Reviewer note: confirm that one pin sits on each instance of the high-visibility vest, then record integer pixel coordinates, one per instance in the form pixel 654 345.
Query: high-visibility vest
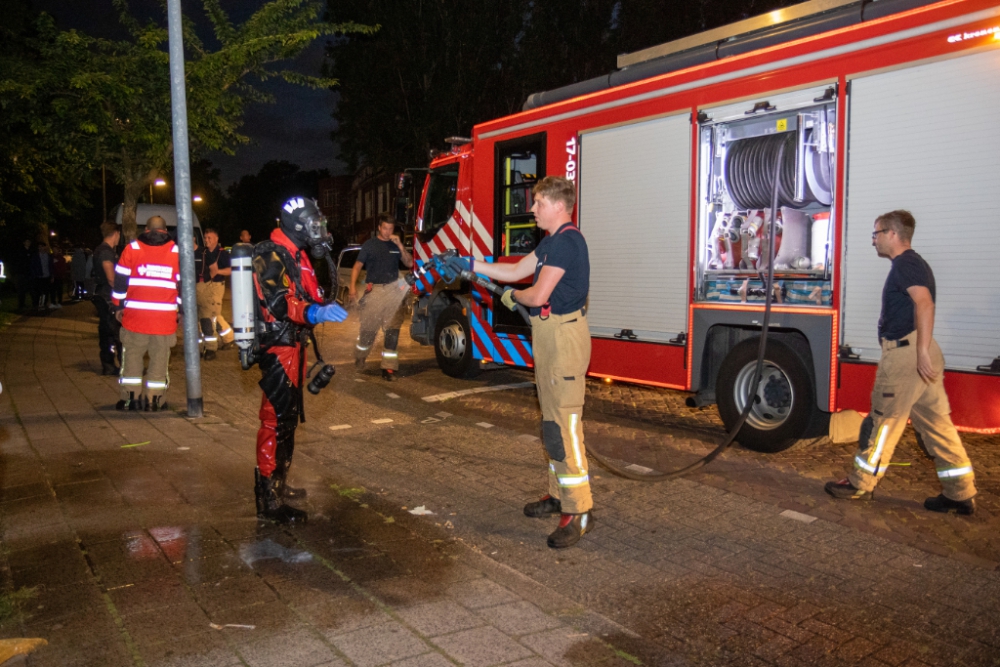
pixel 151 299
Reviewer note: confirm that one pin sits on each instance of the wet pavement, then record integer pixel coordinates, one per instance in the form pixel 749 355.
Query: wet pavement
pixel 138 535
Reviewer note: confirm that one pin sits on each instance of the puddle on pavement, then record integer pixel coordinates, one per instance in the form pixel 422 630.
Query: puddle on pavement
pixel 267 549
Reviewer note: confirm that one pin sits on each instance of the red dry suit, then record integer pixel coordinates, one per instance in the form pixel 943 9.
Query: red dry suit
pixel 286 286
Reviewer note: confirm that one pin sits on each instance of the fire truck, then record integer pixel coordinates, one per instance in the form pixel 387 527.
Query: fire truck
pixel 878 105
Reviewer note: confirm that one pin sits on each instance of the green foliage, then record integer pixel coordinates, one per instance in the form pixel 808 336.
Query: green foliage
pixel 79 102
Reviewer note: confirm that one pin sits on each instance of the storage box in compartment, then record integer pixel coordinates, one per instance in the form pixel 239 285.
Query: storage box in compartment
pixel 795 292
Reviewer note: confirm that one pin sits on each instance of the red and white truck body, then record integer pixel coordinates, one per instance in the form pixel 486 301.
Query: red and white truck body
pixel 673 174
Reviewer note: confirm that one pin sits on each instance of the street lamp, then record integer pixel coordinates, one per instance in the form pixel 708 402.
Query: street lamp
pixel 196 199
pixel 158 183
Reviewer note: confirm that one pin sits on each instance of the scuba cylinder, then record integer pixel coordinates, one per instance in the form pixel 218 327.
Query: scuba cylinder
pixel 241 260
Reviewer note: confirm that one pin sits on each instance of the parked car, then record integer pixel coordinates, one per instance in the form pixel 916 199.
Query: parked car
pixel 345 264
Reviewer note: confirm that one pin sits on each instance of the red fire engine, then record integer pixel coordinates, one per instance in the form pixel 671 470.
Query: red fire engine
pixel 879 105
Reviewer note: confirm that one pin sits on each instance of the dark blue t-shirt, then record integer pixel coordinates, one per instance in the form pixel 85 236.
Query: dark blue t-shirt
pixel 898 317
pixel 567 250
pixel 381 261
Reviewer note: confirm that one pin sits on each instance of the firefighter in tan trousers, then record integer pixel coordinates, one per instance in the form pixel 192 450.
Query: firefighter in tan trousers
pixel 145 299
pixel 213 267
pixel 909 381
pixel 560 340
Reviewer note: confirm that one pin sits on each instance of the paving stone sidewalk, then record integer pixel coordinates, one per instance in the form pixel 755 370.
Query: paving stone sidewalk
pixel 136 534
pixel 691 573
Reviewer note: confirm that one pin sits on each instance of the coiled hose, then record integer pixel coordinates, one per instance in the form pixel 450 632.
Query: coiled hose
pixel 747 162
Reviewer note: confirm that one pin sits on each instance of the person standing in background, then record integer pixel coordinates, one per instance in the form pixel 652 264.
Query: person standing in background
pixel 103 271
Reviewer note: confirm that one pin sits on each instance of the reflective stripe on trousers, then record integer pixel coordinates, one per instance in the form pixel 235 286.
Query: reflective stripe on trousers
pixel 899 395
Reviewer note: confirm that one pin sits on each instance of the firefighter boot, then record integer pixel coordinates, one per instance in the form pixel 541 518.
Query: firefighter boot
pixel 571 529
pixel 546 506
pixel 270 507
pixel 945 505
pixel 158 404
pixel 847 491
pixel 130 404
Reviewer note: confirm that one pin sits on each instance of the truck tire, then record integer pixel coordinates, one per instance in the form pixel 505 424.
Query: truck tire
pixel 453 344
pixel 783 404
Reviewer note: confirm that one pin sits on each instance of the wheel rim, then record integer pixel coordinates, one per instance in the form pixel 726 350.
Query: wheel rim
pixel 773 399
pixel 451 341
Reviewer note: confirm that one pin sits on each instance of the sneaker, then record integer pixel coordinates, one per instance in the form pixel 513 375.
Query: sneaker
pixel 545 506
pixel 844 489
pixel 388 375
pixel 571 528
pixel 945 505
pixel 209 355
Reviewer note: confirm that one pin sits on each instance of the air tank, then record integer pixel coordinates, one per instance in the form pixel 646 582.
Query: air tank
pixel 241 260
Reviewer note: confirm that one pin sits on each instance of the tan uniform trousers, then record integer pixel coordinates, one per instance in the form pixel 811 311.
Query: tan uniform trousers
pixel 561 348
pixel 210 307
pixel 135 346
pixel 900 394
pixel 381 308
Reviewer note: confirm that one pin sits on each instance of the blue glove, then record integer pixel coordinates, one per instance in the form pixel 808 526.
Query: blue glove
pixel 332 312
pixel 452 267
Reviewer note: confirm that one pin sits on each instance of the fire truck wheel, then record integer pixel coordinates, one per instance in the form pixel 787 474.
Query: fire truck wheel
pixel 453 344
pixel 783 403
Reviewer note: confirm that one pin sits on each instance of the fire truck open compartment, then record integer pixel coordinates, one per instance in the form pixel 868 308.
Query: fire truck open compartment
pixel 738 150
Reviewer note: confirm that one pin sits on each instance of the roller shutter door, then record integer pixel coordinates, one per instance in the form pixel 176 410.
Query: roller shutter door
pixel 635 211
pixel 927 139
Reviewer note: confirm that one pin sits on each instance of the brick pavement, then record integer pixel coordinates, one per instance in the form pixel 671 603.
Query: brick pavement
pixel 137 534
pixel 653 428
pixel 693 573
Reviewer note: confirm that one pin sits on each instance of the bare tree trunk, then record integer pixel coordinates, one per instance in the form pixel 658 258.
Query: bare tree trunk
pixel 132 191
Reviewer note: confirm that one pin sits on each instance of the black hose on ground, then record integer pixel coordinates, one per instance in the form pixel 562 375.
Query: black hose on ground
pixel 731 435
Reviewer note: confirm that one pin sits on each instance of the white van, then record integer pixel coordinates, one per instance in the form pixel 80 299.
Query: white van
pixel 144 212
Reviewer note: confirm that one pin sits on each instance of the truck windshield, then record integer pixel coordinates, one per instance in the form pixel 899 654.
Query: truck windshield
pixel 439 203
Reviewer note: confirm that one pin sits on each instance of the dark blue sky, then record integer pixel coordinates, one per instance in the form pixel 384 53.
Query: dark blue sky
pixel 296 128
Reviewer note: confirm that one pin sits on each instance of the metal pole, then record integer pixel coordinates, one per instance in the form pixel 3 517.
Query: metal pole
pixel 185 216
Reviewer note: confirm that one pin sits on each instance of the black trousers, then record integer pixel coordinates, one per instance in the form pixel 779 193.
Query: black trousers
pixel 108 330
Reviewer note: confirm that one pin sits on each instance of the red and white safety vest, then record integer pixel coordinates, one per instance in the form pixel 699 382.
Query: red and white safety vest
pixel 151 298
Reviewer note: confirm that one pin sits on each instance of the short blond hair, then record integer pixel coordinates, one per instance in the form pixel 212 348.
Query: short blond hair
pixel 557 188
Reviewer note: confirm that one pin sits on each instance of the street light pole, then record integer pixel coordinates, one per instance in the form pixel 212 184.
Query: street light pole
pixel 185 215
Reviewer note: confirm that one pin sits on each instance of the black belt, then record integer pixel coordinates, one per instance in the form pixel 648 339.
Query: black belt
pixel 902 342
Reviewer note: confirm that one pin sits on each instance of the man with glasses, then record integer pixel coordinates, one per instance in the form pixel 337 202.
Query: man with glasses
pixel 909 383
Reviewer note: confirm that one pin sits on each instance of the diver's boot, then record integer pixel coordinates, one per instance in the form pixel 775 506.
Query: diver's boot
pixel 270 507
pixel 281 486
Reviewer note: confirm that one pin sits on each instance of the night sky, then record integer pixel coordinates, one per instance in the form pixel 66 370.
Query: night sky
pixel 296 128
